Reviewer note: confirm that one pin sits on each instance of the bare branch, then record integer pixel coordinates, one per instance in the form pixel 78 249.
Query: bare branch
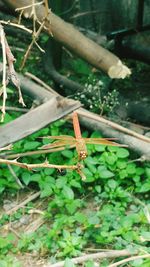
pixel 38 165
pixel 129 259
pixel 93 256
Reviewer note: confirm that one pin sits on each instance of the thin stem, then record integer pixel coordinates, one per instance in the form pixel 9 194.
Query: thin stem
pixel 38 165
pixel 4 90
pixel 129 259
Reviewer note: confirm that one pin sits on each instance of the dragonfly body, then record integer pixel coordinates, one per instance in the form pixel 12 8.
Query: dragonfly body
pixel 80 142
pixel 61 142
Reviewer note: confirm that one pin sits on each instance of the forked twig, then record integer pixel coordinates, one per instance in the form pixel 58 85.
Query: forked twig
pixel 22 27
pixel 36 33
pixel 8 58
pixel 38 165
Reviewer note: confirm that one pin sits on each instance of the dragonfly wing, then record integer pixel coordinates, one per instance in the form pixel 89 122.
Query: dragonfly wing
pixel 56 144
pixel 103 141
pixel 89 140
pixel 63 137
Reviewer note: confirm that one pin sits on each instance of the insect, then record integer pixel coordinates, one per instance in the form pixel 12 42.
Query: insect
pixel 78 141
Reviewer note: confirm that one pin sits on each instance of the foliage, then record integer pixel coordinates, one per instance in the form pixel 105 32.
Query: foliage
pixel 105 210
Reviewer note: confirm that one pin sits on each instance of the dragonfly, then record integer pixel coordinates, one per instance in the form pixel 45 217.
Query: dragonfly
pixel 78 141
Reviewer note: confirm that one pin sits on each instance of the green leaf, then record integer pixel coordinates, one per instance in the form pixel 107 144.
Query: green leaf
pixel 90 160
pixel 137 263
pixel 36 177
pixel 26 177
pixel 80 217
pixel 89 176
pixel 80 67
pixel 123 174
pixel 92 168
pixel 67 153
pixel 145 236
pixel 139 171
pixel 72 207
pixel 93 219
pixel 111 159
pixel 46 192
pixel 131 168
pixel 121 164
pixel 96 134
pixel 49 171
pixel 75 183
pixel 101 168
pixel 145 187
pixel 105 174
pixel 98 188
pixel 122 153
pixel 60 182
pixel 112 183
pixel 100 148
pixel 90 264
pixel 68 192
pixel 69 263
pixel 31 145
pixel 147 172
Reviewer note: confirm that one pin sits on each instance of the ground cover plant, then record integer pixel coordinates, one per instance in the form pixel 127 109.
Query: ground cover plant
pixel 109 210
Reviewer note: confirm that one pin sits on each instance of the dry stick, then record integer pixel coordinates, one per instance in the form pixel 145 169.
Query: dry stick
pixel 22 27
pixel 24 110
pixel 22 204
pixel 36 152
pixel 4 90
pixel 31 228
pixel 28 6
pixel 114 125
pixel 9 147
pixel 39 81
pixel 12 73
pixel 129 259
pixel 93 256
pixel 15 176
pixel 31 44
pixel 38 165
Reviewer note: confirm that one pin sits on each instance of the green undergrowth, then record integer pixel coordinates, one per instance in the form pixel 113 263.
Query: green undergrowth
pixel 109 210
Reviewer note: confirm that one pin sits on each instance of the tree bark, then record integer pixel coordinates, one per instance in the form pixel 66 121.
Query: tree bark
pixel 76 41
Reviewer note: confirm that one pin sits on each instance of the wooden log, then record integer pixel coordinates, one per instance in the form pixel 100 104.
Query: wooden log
pixel 94 122
pixel 34 120
pixel 70 37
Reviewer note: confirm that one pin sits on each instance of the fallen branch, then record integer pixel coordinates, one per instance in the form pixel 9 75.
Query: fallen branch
pixel 129 259
pixel 40 82
pixel 76 41
pixel 24 203
pixel 93 256
pixel 118 127
pixel 32 227
pixel 94 122
pixel 52 110
pixel 23 110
